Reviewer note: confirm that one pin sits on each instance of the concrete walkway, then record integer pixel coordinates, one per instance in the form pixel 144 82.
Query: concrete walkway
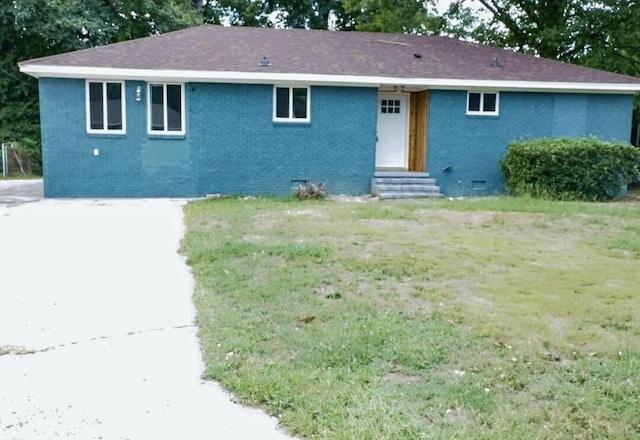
pixel 96 334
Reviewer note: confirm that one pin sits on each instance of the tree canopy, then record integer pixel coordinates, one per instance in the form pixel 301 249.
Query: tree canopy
pixel 604 34
pixel 396 16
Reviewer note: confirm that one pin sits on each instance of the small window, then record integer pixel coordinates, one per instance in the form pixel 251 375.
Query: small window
pixel 482 103
pixel 291 104
pixel 105 107
pixel 166 108
pixel 390 106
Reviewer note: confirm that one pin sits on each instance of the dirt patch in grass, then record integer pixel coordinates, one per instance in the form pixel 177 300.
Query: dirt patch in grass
pixel 501 318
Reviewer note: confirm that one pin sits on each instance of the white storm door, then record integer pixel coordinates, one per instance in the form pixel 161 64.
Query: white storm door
pixel 392 146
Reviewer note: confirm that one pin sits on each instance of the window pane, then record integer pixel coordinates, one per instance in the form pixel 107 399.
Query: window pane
pixel 300 103
pixel 489 101
pixel 174 107
pixel 282 102
pixel 114 106
pixel 474 102
pixel 157 107
pixel 96 113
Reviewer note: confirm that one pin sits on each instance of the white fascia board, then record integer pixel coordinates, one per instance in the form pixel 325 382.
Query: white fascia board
pixel 38 70
pixel 539 86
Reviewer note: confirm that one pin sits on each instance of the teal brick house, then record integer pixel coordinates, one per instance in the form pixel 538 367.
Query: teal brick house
pixel 233 110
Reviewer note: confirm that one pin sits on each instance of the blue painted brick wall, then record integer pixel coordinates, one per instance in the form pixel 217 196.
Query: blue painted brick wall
pixel 471 145
pixel 240 150
pixel 231 144
pixel 130 165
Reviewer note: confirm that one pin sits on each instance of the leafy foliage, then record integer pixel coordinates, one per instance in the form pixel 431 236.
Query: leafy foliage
pixel 395 16
pixel 562 29
pixel 569 169
pixel 305 14
pixel 540 27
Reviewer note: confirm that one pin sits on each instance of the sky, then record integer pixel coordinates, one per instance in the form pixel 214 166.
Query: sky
pixel 442 5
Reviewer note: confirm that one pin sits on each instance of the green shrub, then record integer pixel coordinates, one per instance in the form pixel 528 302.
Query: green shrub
pixel 569 169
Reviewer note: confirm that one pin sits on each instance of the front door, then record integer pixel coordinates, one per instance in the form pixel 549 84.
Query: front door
pixel 392 145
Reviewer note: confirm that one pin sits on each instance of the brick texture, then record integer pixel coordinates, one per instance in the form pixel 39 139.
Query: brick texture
pixel 470 146
pixel 240 150
pixel 231 144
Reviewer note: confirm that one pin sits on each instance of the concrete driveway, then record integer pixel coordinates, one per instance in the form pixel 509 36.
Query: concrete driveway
pixel 96 333
pixel 18 192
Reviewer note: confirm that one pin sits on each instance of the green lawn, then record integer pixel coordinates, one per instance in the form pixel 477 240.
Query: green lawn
pixel 479 319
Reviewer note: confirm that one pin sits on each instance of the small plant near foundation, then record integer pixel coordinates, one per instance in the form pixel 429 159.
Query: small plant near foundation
pixel 311 191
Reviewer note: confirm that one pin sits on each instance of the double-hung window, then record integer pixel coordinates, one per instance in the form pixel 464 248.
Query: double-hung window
pixel 291 104
pixel 105 107
pixel 166 108
pixel 483 103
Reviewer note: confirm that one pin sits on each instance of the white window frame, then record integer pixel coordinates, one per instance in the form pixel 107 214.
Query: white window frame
pixel 105 107
pixel 291 117
pixel 166 131
pixel 482 112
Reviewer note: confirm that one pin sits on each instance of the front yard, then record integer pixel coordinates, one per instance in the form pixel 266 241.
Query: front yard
pixel 479 319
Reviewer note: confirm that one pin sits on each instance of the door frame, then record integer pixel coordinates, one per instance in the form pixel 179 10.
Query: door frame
pixel 418 131
pixel 406 109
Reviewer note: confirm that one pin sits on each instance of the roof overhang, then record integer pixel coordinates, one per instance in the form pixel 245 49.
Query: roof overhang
pixel 266 77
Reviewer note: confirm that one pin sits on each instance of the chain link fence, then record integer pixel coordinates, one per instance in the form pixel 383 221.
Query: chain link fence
pixel 14 162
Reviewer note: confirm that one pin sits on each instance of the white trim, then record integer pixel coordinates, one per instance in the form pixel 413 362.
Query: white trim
pixel 482 111
pixel 293 79
pixel 105 107
pixel 165 113
pixel 291 117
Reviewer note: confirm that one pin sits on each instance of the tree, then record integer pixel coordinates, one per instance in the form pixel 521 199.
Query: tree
pixel 611 37
pixel 543 27
pixel 304 14
pixel 395 16
pixel 413 16
pixel 604 34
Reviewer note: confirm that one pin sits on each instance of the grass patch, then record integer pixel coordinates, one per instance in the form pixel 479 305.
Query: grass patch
pixel 481 319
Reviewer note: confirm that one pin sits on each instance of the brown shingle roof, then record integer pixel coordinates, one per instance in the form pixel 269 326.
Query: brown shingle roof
pixel 210 48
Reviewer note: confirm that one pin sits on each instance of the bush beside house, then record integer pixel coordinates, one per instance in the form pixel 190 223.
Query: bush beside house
pixel 569 169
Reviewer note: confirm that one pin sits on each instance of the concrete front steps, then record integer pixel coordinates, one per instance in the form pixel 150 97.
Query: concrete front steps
pixel 403 185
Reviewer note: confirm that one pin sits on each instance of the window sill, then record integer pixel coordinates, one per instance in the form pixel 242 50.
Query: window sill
pixel 107 135
pixel 291 121
pixel 482 116
pixel 176 136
